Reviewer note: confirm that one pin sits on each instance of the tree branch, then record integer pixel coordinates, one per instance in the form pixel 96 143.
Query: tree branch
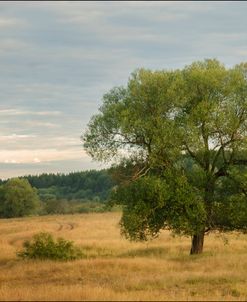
pixel 192 154
pixel 221 149
pixel 141 173
pixel 239 162
pixel 221 172
pixel 206 153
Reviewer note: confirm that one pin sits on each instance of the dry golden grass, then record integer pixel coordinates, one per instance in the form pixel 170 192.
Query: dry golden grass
pixel 116 269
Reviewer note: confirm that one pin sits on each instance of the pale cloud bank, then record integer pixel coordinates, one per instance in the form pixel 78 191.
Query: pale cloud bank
pixel 8 22
pixel 7 112
pixel 15 137
pixel 39 155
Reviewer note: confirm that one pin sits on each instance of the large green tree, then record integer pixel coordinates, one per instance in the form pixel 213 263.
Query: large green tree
pixel 178 140
pixel 18 198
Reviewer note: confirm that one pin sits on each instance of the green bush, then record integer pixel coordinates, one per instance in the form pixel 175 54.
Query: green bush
pixel 18 199
pixel 44 246
pixel 92 207
pixel 55 206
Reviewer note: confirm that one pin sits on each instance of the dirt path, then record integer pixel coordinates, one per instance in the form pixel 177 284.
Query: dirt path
pixel 66 226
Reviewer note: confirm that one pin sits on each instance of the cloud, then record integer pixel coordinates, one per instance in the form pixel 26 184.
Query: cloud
pixel 9 22
pixel 242 52
pixel 8 45
pixel 58 59
pixel 102 11
pixel 41 124
pixel 8 112
pixel 46 142
pixel 8 170
pixel 25 156
pixel 14 137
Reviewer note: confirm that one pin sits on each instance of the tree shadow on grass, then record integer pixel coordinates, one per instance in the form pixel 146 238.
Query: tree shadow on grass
pixel 103 252
pixel 156 252
pixel 184 257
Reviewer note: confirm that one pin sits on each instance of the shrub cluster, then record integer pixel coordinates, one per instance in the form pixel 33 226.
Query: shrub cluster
pixel 44 246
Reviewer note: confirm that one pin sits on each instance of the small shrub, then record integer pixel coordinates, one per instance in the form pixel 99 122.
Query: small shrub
pixel 44 246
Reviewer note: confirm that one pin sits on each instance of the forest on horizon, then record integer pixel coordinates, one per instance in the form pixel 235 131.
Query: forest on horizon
pixel 85 191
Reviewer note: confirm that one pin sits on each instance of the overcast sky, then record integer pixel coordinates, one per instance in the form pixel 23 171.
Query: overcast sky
pixel 58 59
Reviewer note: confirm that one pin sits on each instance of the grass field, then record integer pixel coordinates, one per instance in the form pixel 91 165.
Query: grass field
pixel 116 269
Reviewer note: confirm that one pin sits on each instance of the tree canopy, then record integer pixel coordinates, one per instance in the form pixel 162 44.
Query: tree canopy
pixel 178 141
pixel 17 198
pixel 86 185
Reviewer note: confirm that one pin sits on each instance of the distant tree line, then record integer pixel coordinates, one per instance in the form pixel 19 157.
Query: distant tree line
pixel 86 185
pixel 85 191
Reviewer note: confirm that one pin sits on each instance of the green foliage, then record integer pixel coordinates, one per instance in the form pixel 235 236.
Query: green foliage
pixel 44 246
pixel 92 207
pixel 84 185
pixel 191 122
pixel 54 206
pixel 18 199
pixel 152 203
pixel 67 194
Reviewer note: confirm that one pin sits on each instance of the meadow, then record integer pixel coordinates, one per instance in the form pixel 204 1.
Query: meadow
pixel 116 269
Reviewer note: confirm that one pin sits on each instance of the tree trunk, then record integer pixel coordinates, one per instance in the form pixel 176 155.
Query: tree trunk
pixel 197 243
